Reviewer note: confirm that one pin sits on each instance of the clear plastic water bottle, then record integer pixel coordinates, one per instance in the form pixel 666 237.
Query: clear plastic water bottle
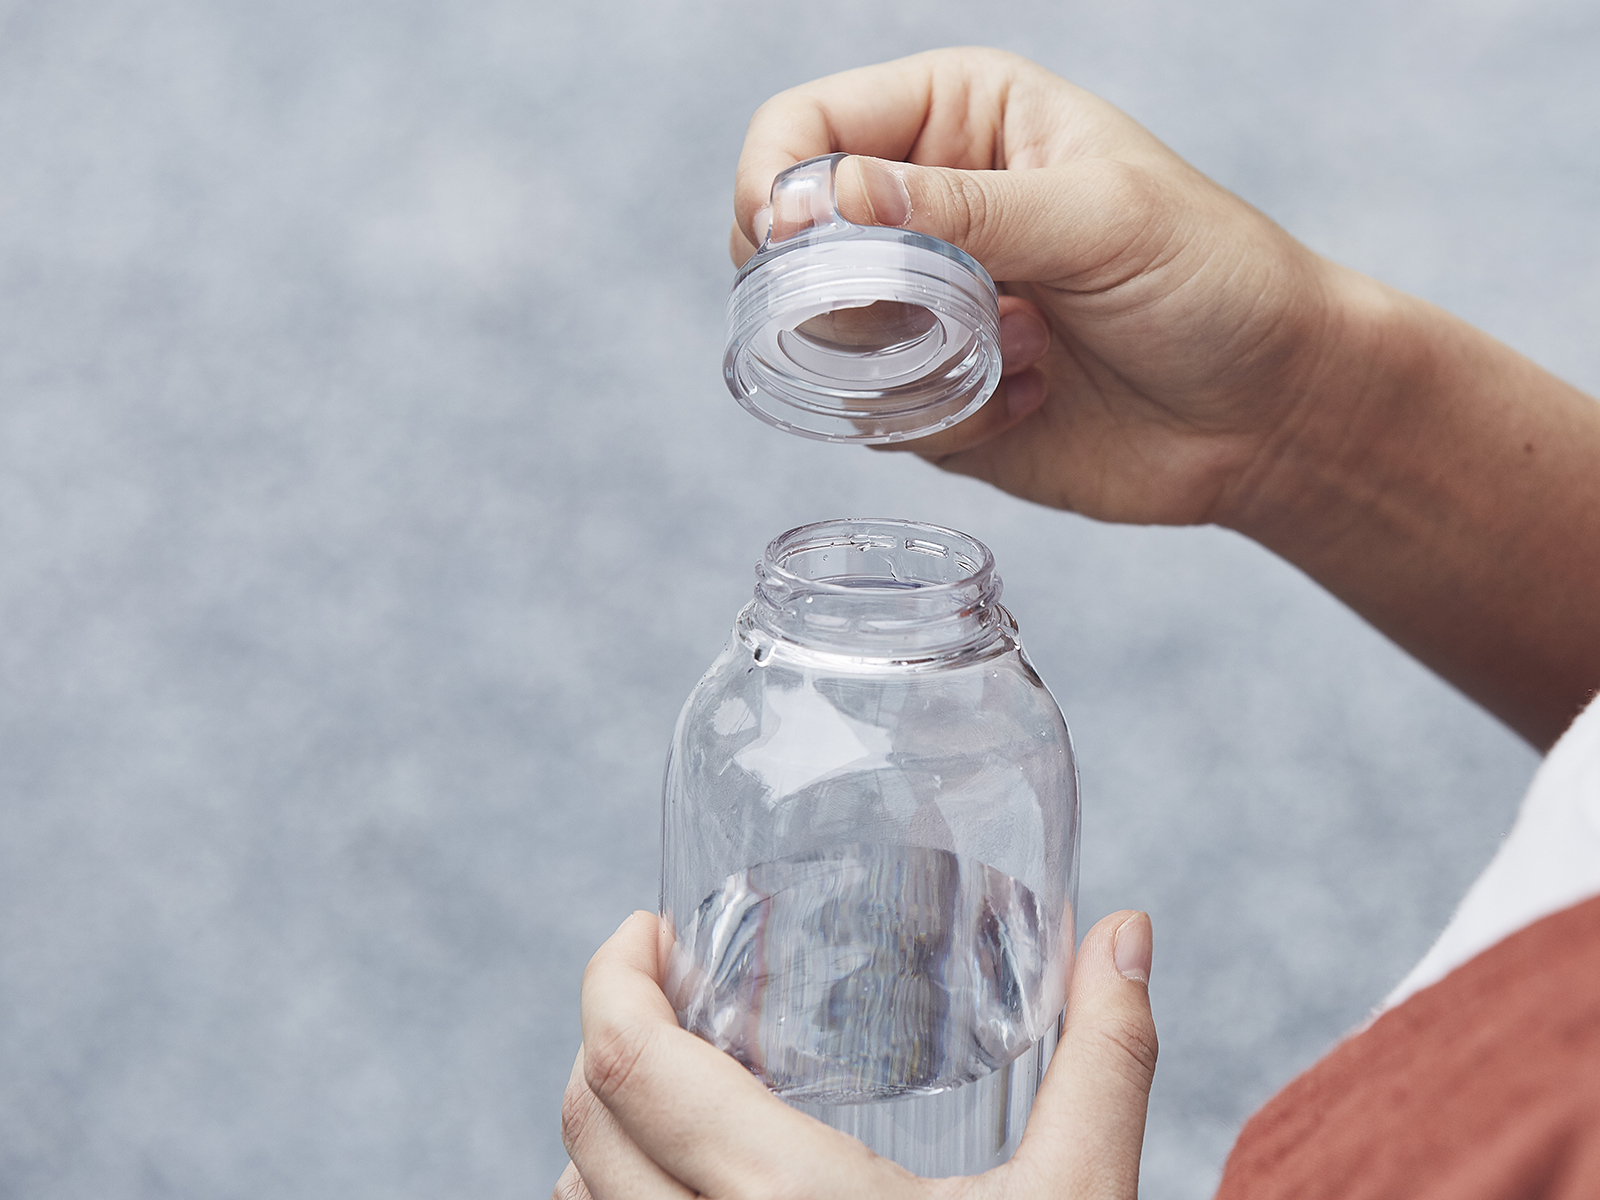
pixel 870 844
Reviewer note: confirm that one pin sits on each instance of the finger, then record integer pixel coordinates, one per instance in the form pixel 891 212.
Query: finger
pixel 979 112
pixel 570 1186
pixel 1086 225
pixel 607 1165
pixel 1088 1121
pixel 944 106
pixel 1016 399
pixel 740 248
pixel 1024 340
pixel 1024 334
pixel 693 1110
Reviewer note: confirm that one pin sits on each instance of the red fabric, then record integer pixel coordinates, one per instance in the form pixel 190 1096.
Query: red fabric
pixel 1485 1086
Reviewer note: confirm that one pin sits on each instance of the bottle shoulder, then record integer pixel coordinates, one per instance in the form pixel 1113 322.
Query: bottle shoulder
pixel 991 695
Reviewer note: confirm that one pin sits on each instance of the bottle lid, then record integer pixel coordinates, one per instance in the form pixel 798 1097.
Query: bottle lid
pixel 857 333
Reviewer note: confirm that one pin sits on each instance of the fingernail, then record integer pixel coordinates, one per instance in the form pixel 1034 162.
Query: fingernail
pixel 760 223
pixel 1023 338
pixel 1132 948
pixel 1024 393
pixel 885 191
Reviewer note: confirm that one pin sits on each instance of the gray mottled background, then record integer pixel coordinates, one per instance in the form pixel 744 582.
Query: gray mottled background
pixel 369 501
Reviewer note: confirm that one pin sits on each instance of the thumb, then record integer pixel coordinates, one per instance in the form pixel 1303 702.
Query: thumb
pixel 1088 223
pixel 1087 1126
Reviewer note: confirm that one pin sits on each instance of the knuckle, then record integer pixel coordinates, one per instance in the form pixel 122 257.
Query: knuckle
pixel 1134 193
pixel 578 1116
pixel 611 1057
pixel 994 56
pixel 1132 211
pixel 570 1187
pixel 969 212
pixel 1132 1048
pixel 1105 185
pixel 1124 182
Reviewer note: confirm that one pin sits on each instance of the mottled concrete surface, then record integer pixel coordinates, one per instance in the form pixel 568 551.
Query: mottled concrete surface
pixel 369 501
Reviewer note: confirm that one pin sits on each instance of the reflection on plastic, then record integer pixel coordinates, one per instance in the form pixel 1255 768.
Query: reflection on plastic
pixel 866 972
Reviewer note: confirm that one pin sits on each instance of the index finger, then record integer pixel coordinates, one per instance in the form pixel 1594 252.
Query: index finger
pixel 695 1111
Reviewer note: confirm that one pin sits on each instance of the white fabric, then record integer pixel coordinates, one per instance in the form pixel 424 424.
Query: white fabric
pixel 1549 861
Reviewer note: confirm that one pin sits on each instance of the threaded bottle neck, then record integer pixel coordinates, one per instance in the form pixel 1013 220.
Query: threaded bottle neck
pixel 887 589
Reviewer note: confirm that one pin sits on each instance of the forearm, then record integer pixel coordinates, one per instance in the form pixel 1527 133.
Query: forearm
pixel 1449 491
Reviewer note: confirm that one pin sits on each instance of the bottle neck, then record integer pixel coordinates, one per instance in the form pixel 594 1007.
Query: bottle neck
pixel 881 589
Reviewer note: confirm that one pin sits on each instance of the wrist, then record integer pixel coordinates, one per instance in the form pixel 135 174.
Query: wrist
pixel 1441 484
pixel 1353 421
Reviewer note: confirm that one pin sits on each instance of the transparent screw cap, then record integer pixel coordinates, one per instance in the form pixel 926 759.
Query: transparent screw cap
pixel 857 333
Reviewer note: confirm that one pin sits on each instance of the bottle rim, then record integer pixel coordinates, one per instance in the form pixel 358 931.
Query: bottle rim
pixel 927 541
pixel 879 588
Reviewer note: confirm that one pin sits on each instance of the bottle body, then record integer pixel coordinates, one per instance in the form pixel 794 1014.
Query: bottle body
pixel 870 823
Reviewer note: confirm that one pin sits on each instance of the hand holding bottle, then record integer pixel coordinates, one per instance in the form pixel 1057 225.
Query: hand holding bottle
pixel 654 1113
